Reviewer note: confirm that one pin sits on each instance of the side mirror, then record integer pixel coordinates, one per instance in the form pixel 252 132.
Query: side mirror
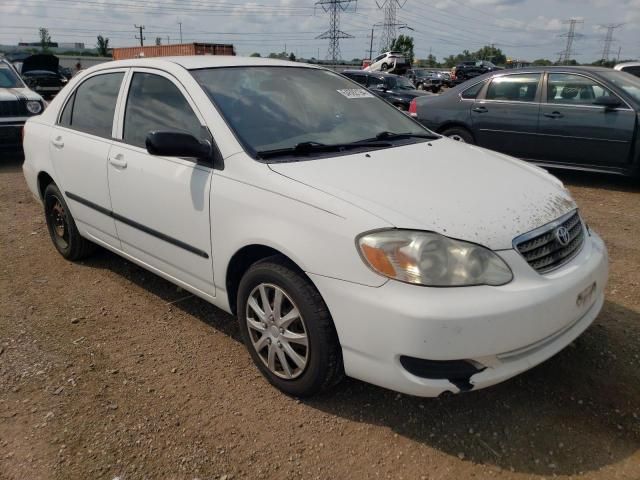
pixel 177 144
pixel 609 102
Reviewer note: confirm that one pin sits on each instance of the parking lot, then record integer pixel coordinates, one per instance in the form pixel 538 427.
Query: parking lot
pixel 109 371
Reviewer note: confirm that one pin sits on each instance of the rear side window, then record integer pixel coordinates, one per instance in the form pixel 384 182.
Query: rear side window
pixel 93 105
pixel 361 79
pixel 632 70
pixel 515 88
pixel 155 103
pixel 472 92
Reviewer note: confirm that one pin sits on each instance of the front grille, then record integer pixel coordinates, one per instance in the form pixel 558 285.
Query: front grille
pixel 13 108
pixel 542 248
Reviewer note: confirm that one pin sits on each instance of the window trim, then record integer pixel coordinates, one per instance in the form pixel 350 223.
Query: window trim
pixel 545 100
pixel 469 88
pixel 122 103
pixel 536 99
pixel 72 96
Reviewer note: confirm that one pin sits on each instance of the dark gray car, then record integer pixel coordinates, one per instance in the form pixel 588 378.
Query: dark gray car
pixel 571 117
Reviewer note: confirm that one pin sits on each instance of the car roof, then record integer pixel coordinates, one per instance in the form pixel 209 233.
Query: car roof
pixel 194 62
pixel 373 74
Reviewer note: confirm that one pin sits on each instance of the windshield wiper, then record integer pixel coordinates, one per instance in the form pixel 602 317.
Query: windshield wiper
pixel 305 148
pixel 402 136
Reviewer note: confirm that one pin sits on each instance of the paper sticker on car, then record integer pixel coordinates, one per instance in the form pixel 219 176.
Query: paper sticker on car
pixel 355 93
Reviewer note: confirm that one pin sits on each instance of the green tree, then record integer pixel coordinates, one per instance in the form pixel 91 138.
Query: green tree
pixel 492 54
pixel 255 54
pixel 404 44
pixel 542 62
pixel 280 56
pixel 158 40
pixel 292 57
pixel 432 61
pixel 103 46
pixel 45 39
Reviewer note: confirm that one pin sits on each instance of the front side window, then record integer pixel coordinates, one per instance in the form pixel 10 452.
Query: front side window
pixel 634 70
pixel 280 107
pixel 573 89
pixel 93 105
pixel 400 83
pixel 155 103
pixel 630 84
pixel 514 88
pixel 361 79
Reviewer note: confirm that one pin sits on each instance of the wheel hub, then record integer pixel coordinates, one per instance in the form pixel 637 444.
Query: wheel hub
pixel 277 331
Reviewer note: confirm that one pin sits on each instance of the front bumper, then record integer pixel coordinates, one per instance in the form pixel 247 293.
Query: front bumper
pixel 11 133
pixel 503 330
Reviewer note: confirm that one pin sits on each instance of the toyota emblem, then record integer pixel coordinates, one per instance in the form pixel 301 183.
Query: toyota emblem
pixel 563 236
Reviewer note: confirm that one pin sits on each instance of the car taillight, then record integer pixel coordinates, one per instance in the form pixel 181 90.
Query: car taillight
pixel 413 108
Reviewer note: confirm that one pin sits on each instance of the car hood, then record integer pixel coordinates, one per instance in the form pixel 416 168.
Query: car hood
pixel 15 94
pixel 458 190
pixel 48 63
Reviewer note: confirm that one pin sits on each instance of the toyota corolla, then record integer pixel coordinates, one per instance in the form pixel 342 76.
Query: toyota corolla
pixel 346 237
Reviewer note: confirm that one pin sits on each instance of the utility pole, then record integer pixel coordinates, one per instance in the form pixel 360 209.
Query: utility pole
pixel 565 57
pixel 371 46
pixel 619 52
pixel 180 23
pixel 390 23
pixel 141 37
pixel 334 34
pixel 608 40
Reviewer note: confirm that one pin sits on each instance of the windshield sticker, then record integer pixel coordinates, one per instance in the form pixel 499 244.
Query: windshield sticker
pixel 355 93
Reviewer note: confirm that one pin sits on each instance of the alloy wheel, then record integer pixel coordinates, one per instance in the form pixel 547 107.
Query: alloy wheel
pixel 58 220
pixel 277 331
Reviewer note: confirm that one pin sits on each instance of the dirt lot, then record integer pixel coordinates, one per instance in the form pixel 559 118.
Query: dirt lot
pixel 108 371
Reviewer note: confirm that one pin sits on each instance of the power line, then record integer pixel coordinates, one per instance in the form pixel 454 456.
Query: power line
pixel 390 23
pixel 565 57
pixel 608 40
pixel 334 34
pixel 141 37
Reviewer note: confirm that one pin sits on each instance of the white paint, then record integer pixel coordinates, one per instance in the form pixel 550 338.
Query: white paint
pixel 312 211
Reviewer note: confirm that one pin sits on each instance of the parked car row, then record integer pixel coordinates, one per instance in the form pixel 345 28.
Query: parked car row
pixel 42 73
pixel 570 117
pixel 397 90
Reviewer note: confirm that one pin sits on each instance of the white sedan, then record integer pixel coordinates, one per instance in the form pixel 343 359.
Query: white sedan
pixel 345 237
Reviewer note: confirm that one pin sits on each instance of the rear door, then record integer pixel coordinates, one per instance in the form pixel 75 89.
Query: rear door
pixel 575 131
pixel 80 145
pixel 505 114
pixel 161 204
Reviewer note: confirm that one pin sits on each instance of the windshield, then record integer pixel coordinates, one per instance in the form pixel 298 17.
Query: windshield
pixel 8 78
pixel 400 83
pixel 627 82
pixel 280 107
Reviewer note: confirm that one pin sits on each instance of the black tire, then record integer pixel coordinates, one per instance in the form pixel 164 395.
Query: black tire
pixel 384 67
pixel 324 367
pixel 460 134
pixel 62 228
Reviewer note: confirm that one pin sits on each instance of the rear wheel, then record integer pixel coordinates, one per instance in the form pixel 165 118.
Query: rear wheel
pixel 384 66
pixel 459 134
pixel 62 228
pixel 287 329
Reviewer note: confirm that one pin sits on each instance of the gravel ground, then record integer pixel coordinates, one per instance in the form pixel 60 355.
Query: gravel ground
pixel 109 371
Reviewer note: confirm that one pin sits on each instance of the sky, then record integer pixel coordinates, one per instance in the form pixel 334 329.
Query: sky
pixel 523 29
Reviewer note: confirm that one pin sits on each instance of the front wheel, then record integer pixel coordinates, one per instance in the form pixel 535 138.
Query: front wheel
pixel 287 329
pixel 459 134
pixel 384 67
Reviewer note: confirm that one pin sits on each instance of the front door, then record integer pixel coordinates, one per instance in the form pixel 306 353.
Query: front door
pixel 161 204
pixel 80 145
pixel 575 131
pixel 505 118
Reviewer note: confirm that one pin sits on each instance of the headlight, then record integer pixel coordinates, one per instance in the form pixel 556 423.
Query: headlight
pixel 34 107
pixel 431 259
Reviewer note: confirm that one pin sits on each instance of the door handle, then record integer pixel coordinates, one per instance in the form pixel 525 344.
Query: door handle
pixel 554 115
pixel 118 161
pixel 57 142
pixel 480 109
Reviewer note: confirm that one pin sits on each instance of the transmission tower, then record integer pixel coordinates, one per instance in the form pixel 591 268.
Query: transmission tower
pixel 565 57
pixel 390 23
pixel 334 34
pixel 608 40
